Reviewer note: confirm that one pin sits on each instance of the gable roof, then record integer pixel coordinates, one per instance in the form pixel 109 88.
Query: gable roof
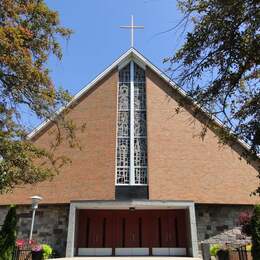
pixel 131 54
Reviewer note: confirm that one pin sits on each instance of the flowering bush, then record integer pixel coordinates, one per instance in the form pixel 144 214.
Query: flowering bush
pixel 35 247
pixel 20 243
pixel 244 220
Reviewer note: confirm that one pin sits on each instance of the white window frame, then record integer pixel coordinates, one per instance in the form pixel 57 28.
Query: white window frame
pixel 132 136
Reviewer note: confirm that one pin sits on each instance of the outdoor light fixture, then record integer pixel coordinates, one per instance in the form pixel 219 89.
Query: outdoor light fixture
pixel 35 202
pixel 132 209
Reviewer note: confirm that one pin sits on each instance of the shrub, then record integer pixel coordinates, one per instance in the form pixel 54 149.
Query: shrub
pixel 244 220
pixel 255 230
pixel 249 247
pixel 8 234
pixel 47 251
pixel 214 249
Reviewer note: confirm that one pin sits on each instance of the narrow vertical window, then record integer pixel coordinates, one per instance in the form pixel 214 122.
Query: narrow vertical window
pixel 131 127
pixel 123 127
pixel 140 142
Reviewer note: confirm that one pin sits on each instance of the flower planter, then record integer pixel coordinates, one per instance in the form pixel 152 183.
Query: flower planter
pixel 223 254
pixel 37 255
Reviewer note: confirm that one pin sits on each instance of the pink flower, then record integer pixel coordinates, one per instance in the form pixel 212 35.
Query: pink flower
pixel 20 243
pixel 37 248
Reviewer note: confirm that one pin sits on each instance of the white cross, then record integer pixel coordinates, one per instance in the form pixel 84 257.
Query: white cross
pixel 132 27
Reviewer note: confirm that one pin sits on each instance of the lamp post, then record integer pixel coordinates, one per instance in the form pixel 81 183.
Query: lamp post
pixel 35 202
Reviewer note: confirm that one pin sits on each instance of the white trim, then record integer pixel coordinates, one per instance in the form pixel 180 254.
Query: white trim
pixel 193 231
pixel 70 250
pixel 132 126
pixel 117 92
pixel 83 90
pixel 137 204
pixel 131 54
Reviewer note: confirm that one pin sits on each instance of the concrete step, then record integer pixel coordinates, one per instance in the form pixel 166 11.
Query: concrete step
pixel 131 257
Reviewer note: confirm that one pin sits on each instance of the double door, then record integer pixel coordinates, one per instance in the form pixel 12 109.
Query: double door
pixel 120 230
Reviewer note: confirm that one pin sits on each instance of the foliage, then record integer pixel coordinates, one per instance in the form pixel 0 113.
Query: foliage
pixel 8 235
pixel 29 34
pixel 47 251
pixel 218 64
pixel 249 247
pixel 214 249
pixel 255 230
pixel 244 220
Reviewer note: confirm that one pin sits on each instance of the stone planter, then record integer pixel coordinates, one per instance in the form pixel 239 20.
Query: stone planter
pixel 37 255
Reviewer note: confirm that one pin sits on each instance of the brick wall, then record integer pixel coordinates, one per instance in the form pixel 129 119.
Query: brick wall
pixel 91 175
pixel 182 166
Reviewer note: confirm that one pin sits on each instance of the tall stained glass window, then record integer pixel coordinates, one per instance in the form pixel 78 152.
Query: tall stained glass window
pixel 131 127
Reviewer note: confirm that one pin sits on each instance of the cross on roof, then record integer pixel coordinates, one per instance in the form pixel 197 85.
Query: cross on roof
pixel 132 27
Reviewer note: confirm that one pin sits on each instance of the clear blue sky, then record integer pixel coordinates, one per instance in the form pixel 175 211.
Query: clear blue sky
pixel 97 40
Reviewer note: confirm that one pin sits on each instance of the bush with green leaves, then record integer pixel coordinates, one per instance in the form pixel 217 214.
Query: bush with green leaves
pixel 47 251
pixel 214 249
pixel 255 233
pixel 8 234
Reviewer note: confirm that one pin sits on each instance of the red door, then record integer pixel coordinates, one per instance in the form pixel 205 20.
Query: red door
pixel 95 236
pixel 128 229
pixel 132 235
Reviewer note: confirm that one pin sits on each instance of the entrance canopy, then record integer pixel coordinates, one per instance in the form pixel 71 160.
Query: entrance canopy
pixel 128 228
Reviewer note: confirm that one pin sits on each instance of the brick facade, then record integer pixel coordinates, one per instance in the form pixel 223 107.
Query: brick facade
pixel 91 175
pixel 182 166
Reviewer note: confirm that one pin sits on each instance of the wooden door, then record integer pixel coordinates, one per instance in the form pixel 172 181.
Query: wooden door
pixel 132 229
pixel 132 235
pixel 95 235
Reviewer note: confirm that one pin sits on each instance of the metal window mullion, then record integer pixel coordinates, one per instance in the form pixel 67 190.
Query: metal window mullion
pixel 132 169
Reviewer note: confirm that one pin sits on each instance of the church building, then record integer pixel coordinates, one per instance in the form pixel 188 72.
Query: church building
pixel 144 182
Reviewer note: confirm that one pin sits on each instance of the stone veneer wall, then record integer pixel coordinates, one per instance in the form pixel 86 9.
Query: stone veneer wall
pixel 219 223
pixel 51 223
pixel 215 223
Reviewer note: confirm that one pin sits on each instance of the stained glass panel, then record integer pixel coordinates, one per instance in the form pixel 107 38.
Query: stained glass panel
pixel 124 74
pixel 124 96
pixel 141 175
pixel 123 176
pixel 123 126
pixel 139 74
pixel 140 157
pixel 140 123
pixel 123 152
pixel 131 164
pixel 140 97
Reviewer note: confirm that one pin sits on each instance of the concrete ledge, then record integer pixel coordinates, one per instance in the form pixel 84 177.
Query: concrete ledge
pixel 131 257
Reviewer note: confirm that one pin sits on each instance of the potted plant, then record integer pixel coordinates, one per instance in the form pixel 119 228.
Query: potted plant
pixel 37 252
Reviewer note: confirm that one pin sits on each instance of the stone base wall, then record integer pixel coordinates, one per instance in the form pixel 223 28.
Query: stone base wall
pixel 51 224
pixel 219 223
pixel 215 224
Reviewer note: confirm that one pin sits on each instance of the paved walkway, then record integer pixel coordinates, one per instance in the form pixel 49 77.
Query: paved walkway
pixel 131 257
